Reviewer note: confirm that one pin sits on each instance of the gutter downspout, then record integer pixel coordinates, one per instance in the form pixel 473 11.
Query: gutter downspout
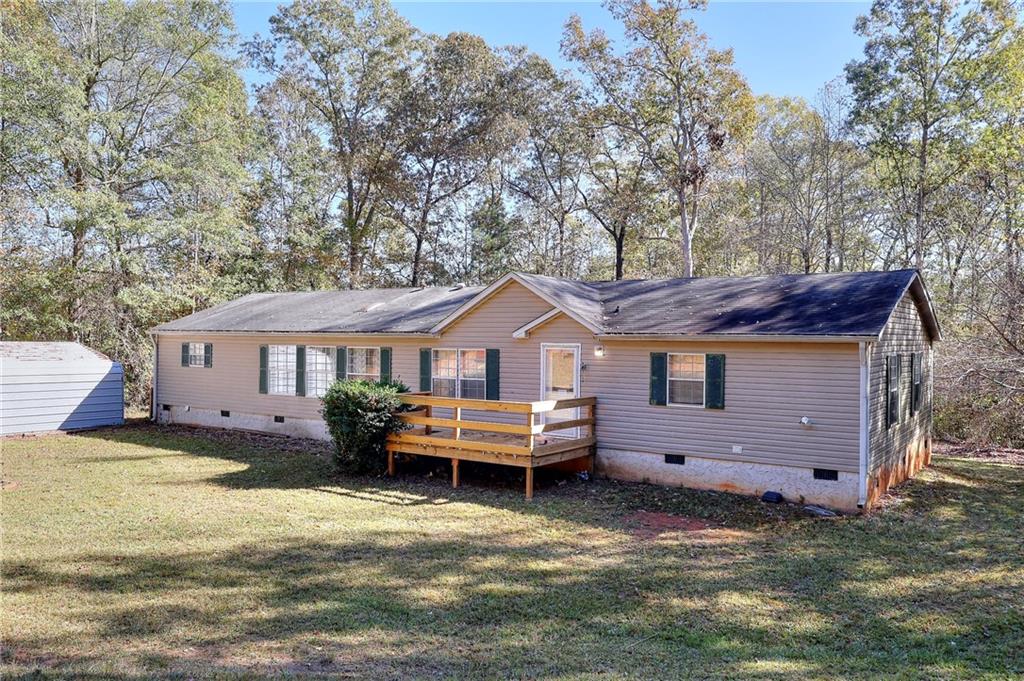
pixel 865 421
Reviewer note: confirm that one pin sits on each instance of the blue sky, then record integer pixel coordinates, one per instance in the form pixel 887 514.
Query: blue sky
pixel 783 48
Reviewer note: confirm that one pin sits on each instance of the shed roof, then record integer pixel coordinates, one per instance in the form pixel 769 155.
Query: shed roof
pixel 15 355
pixel 851 304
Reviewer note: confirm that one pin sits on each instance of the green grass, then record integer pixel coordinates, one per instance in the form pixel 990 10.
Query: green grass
pixel 140 552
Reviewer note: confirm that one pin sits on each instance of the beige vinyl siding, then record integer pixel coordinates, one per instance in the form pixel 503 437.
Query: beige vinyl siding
pixel 232 382
pixel 769 386
pixel 904 334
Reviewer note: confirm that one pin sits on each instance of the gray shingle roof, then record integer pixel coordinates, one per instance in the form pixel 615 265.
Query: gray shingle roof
pixel 393 310
pixel 840 304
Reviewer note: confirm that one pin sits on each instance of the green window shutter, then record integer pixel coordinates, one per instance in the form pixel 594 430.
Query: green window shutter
pixel 493 373
pixel 340 363
pixel 888 390
pixel 300 370
pixel 208 355
pixel 425 369
pixel 263 369
pixel 892 390
pixel 917 375
pixel 184 354
pixel 913 386
pixel 385 364
pixel 714 381
pixel 659 378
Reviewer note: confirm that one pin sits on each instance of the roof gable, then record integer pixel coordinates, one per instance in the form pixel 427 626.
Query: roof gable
pixel 571 297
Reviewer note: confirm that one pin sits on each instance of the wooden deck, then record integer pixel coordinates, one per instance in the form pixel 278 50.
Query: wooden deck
pixel 530 444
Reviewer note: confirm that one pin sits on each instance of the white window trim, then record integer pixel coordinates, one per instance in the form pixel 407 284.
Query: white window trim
pixel 668 381
pixel 458 370
pixel 201 355
pixel 348 376
pixel 332 357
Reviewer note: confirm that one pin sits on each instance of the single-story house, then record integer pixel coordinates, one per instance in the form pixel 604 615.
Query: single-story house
pixel 816 386
pixel 51 386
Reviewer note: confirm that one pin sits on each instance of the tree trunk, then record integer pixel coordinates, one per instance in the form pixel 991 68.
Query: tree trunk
pixel 686 240
pixel 414 281
pixel 922 169
pixel 620 242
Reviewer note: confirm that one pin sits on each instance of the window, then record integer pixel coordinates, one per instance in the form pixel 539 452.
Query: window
pixel 473 374
pixel 197 354
pixel 892 389
pixel 686 379
pixel 459 373
pixel 319 370
pixel 445 373
pixel 281 369
pixel 915 389
pixel 363 364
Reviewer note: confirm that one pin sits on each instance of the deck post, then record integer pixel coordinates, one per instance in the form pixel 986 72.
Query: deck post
pixel 457 415
pixel 529 482
pixel 531 419
pixel 428 411
pixel 391 463
pixel 455 472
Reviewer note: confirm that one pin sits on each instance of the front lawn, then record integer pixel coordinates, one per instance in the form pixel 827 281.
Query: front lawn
pixel 143 552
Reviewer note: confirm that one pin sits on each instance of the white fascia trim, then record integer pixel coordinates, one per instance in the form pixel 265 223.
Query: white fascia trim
pixel 494 288
pixel 524 330
pixel 741 337
pixel 864 423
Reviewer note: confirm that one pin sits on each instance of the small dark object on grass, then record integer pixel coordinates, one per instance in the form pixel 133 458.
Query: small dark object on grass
pixel 772 497
pixel 583 475
pixel 820 511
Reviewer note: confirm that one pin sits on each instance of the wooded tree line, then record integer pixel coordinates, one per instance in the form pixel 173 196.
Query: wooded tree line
pixel 141 180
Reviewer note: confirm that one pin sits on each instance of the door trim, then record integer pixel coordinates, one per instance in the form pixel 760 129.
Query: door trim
pixel 577 348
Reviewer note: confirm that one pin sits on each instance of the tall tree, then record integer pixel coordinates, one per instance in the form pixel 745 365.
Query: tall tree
pixel 122 140
pixel 451 118
pixel 928 65
pixel 552 158
pixel 681 98
pixel 349 62
pixel 616 188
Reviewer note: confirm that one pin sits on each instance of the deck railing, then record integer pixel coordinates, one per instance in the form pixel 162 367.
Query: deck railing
pixel 534 442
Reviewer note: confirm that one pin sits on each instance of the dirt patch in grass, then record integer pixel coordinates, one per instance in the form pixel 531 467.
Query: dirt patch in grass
pixel 8 485
pixel 1014 457
pixel 651 525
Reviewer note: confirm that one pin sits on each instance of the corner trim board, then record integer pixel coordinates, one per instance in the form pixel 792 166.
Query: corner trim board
pixel 864 423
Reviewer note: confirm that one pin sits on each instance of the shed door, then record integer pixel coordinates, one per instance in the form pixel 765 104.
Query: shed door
pixel 560 380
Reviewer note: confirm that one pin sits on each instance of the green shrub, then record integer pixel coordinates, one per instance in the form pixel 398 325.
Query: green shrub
pixel 360 415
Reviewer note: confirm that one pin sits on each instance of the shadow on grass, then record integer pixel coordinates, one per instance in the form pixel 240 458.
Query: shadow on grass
pixel 928 588
pixel 412 606
pixel 272 462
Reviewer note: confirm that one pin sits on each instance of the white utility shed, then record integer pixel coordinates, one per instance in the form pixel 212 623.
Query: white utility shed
pixel 57 386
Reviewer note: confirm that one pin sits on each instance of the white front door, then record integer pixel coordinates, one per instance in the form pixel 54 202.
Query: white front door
pixel 560 380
